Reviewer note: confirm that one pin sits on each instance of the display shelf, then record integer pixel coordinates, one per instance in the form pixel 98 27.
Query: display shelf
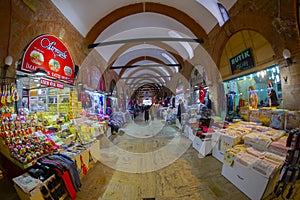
pixel 5 152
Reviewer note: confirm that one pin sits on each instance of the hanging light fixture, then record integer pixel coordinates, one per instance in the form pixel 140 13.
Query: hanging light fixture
pixel 287 56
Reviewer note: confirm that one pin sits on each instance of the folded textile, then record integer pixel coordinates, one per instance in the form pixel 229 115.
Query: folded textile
pixel 231 153
pixel 264 167
pixel 245 159
pixel 254 152
pixel 257 140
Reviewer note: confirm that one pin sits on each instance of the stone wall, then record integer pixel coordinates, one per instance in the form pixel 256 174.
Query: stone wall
pixel 275 20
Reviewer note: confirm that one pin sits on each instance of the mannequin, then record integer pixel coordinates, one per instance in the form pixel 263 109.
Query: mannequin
pixel 253 98
pixel 273 100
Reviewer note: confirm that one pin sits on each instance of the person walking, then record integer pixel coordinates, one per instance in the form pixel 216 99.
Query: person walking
pixel 146 112
pixel 180 110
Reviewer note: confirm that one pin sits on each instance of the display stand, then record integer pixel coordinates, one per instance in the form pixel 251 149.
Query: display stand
pixel 203 146
pixel 254 185
pixel 42 189
pixel 5 152
pixel 86 158
pixel 216 151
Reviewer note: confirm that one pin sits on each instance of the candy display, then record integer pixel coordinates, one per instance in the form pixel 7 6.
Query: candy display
pixel 23 144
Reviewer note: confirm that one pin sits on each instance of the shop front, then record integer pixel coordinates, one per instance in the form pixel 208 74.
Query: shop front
pixel 41 115
pixel 255 90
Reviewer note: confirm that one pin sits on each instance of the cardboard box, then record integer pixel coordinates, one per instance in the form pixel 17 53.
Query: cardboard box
pixel 217 152
pixel 202 146
pixel 33 195
pixel 251 183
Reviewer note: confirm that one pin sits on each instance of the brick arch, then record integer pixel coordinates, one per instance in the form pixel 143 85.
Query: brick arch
pixel 132 9
pixel 237 24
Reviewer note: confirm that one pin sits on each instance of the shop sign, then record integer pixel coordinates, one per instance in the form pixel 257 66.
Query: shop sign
pixel 242 61
pixel 50 83
pixel 47 52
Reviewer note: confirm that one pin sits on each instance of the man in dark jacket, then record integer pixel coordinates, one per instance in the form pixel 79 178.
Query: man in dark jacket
pixel 180 110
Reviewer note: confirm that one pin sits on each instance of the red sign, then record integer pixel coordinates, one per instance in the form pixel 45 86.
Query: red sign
pixel 50 83
pixel 49 53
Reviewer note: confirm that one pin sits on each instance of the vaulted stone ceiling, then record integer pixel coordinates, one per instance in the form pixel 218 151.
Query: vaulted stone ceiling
pixel 105 21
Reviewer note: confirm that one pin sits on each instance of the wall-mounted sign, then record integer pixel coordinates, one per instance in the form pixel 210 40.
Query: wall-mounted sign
pixel 50 83
pixel 49 53
pixel 242 61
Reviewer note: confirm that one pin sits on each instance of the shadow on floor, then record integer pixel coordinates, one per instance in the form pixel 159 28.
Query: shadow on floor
pixel 7 190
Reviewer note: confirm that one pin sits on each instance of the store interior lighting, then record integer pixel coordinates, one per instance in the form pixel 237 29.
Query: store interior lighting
pixel 270 73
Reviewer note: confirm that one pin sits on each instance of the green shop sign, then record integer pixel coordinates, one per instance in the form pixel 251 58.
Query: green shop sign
pixel 242 61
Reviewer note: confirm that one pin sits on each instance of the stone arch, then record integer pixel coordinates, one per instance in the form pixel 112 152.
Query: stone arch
pixel 125 11
pixel 237 23
pixel 262 50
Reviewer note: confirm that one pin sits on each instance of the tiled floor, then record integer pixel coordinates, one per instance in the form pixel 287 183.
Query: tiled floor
pixel 186 177
pixel 147 161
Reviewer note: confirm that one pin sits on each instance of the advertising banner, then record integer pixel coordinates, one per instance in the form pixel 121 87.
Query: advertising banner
pixel 47 52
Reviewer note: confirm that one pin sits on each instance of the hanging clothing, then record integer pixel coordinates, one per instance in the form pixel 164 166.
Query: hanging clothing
pixel 202 93
pixel 70 166
pixel 273 100
pixel 62 173
pixel 230 102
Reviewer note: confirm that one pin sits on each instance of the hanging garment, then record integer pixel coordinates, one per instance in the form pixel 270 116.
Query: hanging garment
pixel 71 167
pixel 62 173
pixel 230 102
pixel 202 93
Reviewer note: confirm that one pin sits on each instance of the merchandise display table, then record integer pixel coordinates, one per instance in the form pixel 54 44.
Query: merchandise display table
pixel 203 146
pixel 253 184
pixel 29 188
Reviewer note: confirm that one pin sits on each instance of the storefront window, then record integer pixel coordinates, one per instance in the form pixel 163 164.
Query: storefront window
pixel 262 82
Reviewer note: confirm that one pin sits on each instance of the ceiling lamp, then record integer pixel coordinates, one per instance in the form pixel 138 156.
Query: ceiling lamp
pixel 287 56
pixel 197 40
